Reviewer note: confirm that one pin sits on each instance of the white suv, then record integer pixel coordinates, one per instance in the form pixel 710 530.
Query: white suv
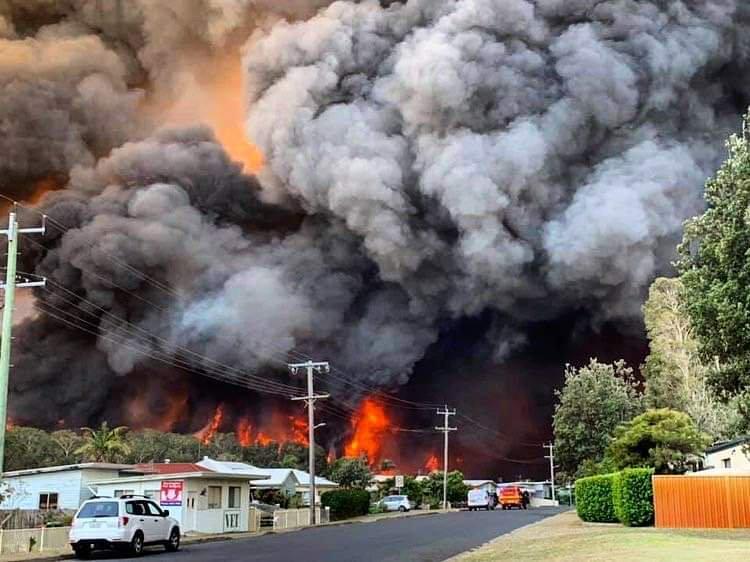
pixel 396 503
pixel 127 523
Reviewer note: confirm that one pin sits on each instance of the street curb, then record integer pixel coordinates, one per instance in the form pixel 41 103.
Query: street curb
pixel 247 536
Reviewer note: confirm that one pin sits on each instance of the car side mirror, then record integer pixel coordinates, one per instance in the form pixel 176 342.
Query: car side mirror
pixel 166 513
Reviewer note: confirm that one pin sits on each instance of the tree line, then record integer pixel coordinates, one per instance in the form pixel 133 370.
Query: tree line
pixel 694 388
pixel 29 447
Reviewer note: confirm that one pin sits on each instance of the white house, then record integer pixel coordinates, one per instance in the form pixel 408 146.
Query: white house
pixel 56 487
pixel 289 481
pixel 488 486
pixel 202 500
pixel 731 455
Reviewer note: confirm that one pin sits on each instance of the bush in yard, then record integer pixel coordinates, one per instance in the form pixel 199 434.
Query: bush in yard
pixel 633 497
pixel 594 498
pixel 346 503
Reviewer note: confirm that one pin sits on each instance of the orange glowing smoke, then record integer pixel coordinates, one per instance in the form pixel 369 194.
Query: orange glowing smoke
pixel 142 414
pixel 282 429
pixel 226 115
pixel 206 433
pixel 432 464
pixel 216 99
pixel 370 425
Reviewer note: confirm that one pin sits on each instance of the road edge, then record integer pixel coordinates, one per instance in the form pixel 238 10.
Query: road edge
pixel 188 540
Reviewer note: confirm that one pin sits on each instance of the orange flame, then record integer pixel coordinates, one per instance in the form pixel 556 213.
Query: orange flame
pixel 206 433
pixel 370 424
pixel 290 429
pixel 432 464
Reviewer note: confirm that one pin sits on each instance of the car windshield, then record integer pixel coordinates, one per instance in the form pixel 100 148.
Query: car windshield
pixel 98 509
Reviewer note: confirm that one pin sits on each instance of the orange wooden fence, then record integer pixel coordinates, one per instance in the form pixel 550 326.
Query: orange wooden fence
pixel 702 502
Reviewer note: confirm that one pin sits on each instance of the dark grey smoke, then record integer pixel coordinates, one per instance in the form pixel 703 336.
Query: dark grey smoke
pixel 425 161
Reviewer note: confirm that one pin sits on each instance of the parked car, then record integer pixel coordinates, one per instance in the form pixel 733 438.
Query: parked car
pixel 481 499
pixel 396 503
pixel 126 523
pixel 512 496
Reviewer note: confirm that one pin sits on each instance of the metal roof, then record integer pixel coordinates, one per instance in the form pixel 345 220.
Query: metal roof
pixel 67 467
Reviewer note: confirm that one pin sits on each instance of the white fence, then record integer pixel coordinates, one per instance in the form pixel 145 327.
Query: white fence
pixel 33 540
pixel 291 518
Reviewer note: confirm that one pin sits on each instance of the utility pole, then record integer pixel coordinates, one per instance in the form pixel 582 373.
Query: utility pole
pixel 311 367
pixel 551 458
pixel 10 285
pixel 445 429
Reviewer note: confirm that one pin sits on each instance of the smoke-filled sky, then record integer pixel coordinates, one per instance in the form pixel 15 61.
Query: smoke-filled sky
pixel 388 169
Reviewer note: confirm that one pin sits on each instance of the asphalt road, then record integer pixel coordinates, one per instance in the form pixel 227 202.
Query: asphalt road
pixel 429 538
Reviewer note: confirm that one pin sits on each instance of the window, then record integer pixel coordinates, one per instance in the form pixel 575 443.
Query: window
pixel 135 508
pixel 234 496
pixel 153 494
pixel 99 509
pixel 214 497
pixel 48 500
pixel 119 493
pixel 726 463
pixel 153 509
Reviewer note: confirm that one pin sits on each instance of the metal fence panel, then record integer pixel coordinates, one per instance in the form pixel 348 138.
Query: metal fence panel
pixel 702 502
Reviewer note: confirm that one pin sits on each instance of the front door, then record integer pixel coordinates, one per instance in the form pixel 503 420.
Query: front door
pixel 190 512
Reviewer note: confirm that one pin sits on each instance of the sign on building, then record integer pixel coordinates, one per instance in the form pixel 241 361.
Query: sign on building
pixel 400 481
pixel 231 521
pixel 171 493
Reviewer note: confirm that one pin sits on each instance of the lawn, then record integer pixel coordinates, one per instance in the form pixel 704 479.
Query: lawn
pixel 565 537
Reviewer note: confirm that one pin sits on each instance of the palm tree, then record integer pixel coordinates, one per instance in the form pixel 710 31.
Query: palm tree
pixel 105 444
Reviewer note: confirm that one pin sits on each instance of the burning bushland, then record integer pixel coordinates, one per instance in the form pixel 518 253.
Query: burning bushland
pixel 236 185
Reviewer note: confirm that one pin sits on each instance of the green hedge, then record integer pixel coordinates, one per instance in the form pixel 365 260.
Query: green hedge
pixel 633 497
pixel 346 503
pixel 594 498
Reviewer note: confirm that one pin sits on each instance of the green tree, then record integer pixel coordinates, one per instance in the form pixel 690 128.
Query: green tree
pixel 150 445
pixel 350 472
pixel 715 271
pixel 66 443
pixel 594 400
pixel 432 487
pixel 105 444
pixel 28 447
pixel 665 440
pixel 676 377
pixel 223 447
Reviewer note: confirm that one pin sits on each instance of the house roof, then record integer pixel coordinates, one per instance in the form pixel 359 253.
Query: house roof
pixel 172 476
pixel 304 479
pixel 478 483
pixel 728 444
pixel 66 467
pixel 276 478
pixel 229 467
pixel 165 468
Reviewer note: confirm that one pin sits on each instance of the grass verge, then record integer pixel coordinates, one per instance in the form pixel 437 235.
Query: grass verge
pixel 566 538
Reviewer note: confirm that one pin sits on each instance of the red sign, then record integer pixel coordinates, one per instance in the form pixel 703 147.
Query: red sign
pixel 171 493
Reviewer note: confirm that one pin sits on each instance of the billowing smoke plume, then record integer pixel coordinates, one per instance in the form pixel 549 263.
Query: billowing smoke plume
pixel 425 161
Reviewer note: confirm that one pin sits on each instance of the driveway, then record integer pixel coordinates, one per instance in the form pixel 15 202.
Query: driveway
pixel 430 538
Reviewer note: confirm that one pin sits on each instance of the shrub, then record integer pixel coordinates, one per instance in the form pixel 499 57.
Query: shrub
pixel 346 503
pixel 594 498
pixel 633 497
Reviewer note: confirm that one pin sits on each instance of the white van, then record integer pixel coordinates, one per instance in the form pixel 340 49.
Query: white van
pixel 481 499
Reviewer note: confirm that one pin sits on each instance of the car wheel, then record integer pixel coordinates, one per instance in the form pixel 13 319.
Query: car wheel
pixel 82 551
pixel 136 545
pixel 173 544
pixel 402 509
